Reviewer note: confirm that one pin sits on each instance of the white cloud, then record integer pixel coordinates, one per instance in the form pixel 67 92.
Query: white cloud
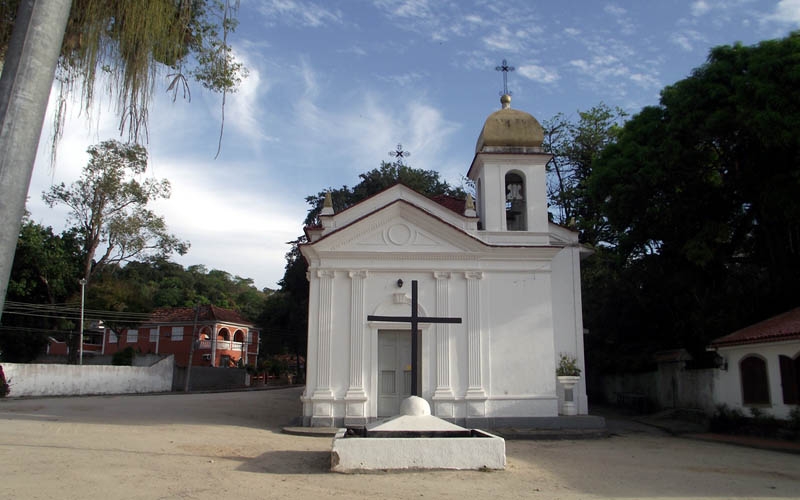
pixel 687 39
pixel 699 8
pixel 355 50
pixel 622 18
pixel 403 80
pixel 406 8
pixel 243 109
pixel 645 80
pixel 785 12
pixel 615 10
pixel 538 73
pixel 307 14
pixel 572 31
pixel 504 40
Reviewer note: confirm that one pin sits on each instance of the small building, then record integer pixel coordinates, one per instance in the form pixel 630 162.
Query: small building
pixel 500 266
pixel 222 336
pixel 761 366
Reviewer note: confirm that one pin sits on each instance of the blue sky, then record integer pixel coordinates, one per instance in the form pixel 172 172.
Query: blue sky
pixel 335 85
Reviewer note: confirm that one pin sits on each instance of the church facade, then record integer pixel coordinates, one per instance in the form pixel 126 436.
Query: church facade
pixel 511 276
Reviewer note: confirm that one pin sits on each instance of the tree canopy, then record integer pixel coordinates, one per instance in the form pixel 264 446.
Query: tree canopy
pixel 108 207
pixel 700 199
pixel 575 147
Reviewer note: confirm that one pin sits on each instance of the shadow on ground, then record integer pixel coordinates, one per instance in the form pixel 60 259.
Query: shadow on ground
pixel 289 462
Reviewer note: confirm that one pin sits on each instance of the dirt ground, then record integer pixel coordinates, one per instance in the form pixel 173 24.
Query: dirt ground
pixel 230 445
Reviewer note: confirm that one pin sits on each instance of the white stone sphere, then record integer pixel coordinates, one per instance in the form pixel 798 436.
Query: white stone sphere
pixel 415 406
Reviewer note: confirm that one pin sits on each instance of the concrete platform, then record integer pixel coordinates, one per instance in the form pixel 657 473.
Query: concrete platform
pixel 480 450
pixel 415 440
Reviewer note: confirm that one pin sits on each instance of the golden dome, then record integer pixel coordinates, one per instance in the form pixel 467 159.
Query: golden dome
pixel 510 128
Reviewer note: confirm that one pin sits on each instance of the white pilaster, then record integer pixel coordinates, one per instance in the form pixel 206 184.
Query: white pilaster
pixel 476 395
pixel 443 396
pixel 356 397
pixel 325 321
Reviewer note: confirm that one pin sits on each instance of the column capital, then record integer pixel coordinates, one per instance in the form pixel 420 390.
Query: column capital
pixel 473 275
pixel 440 275
pixel 359 274
pixel 325 273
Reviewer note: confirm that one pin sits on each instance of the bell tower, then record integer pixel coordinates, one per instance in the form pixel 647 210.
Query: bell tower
pixel 509 172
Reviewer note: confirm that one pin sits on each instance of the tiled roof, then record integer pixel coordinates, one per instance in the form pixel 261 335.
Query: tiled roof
pixel 784 326
pixel 451 203
pixel 457 205
pixel 207 313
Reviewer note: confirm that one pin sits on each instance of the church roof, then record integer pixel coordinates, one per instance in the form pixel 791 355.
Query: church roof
pixel 784 326
pixel 455 205
pixel 510 128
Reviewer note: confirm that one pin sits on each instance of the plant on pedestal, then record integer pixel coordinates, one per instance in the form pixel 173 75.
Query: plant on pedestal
pixel 568 374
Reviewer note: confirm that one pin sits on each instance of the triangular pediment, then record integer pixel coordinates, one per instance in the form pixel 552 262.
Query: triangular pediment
pixel 399 227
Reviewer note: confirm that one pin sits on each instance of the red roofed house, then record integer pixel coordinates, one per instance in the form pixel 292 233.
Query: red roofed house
pixel 224 337
pixel 763 366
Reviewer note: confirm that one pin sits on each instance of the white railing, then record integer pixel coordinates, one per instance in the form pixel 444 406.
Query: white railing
pixel 223 345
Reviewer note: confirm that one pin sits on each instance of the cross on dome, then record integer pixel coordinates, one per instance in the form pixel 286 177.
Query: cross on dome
pixel 505 68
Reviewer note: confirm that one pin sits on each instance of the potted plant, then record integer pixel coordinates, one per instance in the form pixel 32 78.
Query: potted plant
pixel 568 374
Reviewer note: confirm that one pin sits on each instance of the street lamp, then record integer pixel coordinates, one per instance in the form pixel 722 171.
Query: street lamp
pixel 83 289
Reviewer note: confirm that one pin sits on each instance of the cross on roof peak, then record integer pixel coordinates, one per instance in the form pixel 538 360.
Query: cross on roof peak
pixel 398 154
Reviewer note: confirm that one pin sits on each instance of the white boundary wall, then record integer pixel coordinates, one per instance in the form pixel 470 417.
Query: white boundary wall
pixel 74 380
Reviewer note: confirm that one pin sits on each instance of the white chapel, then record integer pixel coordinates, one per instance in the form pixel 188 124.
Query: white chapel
pixel 497 263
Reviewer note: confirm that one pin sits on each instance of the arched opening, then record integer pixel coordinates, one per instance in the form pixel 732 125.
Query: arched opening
pixel 238 336
pixel 755 384
pixel 516 208
pixel 205 333
pixel 790 379
pixel 223 334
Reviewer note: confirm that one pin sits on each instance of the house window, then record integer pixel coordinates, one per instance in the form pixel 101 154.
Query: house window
pixel 133 336
pixel 249 337
pixel 112 337
pixel 755 385
pixel 790 379
pixel 154 335
pixel 177 333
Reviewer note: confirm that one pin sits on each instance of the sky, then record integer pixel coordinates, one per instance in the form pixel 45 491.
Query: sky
pixel 334 85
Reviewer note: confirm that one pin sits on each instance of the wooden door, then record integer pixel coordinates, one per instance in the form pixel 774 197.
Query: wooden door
pixel 394 370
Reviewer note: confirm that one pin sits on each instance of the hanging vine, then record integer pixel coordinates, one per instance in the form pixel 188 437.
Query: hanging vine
pixel 129 44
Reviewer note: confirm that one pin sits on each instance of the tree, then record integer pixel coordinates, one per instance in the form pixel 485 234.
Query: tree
pixel 575 146
pixel 108 206
pixel 45 265
pixel 426 182
pixel 125 40
pixel 700 197
pixel 44 272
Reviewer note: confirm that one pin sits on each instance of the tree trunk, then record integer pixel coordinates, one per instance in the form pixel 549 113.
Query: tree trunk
pixel 24 91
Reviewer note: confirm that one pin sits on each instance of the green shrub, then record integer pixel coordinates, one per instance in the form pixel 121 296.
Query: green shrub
pixel 567 365
pixel 726 420
pixel 123 357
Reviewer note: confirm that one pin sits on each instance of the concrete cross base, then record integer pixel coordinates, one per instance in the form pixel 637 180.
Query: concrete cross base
pixel 416 440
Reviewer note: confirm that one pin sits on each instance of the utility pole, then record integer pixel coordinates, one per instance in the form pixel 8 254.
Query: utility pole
pixel 28 70
pixel 83 289
pixel 191 348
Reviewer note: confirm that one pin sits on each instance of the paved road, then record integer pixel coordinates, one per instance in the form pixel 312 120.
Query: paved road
pixel 229 445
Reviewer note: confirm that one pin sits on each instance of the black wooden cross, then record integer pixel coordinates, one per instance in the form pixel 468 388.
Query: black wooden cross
pixel 415 320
